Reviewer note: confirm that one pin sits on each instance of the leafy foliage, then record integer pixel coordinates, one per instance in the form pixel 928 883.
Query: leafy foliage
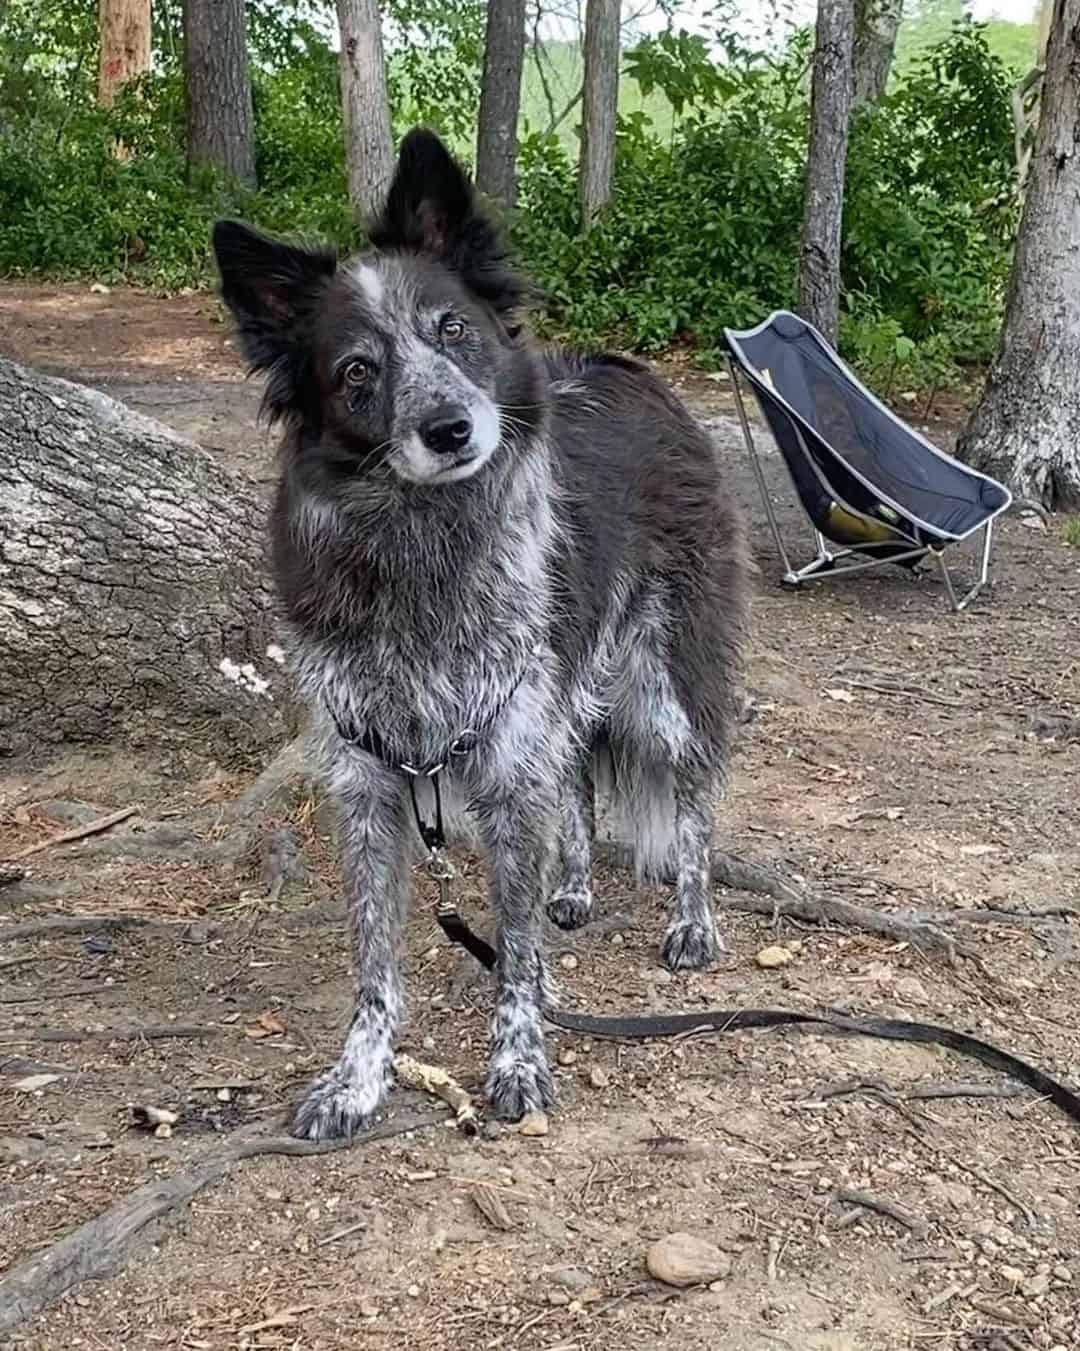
pixel 703 228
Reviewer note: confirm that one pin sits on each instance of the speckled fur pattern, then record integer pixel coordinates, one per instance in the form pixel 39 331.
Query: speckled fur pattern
pixel 566 577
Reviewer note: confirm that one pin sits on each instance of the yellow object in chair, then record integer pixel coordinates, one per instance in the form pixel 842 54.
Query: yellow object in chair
pixel 857 529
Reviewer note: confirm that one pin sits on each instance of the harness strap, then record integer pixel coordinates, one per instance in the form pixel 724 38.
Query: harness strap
pixel 640 1028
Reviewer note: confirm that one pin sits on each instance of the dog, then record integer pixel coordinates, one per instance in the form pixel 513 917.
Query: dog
pixel 515 562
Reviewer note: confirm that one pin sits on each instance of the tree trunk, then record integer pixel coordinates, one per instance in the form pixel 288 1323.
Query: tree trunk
pixel 369 152
pixel 124 32
pixel 500 101
pixel 1025 429
pixel 877 23
pixel 600 107
pixel 133 594
pixel 830 107
pixel 220 115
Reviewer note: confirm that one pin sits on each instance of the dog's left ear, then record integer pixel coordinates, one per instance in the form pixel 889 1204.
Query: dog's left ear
pixel 431 209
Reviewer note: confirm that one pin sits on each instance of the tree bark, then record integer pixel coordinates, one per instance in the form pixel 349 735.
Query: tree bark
pixel 600 107
pixel 220 114
pixel 830 109
pixel 877 23
pixel 124 33
pixel 1025 429
pixel 500 101
pixel 133 594
pixel 369 153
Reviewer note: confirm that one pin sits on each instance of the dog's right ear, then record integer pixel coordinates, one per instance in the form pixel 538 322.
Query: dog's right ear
pixel 271 289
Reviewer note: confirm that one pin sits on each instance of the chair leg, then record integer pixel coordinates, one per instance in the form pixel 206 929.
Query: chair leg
pixel 791 577
pixel 983 579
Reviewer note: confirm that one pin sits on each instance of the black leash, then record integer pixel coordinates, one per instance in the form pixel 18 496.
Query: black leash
pixel 640 1028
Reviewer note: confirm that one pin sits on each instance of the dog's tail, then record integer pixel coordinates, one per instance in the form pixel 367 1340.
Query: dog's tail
pixel 635 804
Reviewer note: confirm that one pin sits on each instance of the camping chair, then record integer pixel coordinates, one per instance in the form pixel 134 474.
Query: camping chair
pixel 870 485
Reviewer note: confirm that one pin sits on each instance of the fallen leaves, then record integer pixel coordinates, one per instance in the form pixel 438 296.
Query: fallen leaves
pixel 267 1024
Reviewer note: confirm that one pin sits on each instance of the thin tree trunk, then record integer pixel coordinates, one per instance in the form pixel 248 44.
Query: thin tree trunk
pixel 600 107
pixel 124 33
pixel 369 152
pixel 877 23
pixel 1026 427
pixel 220 115
pixel 134 603
pixel 500 101
pixel 830 108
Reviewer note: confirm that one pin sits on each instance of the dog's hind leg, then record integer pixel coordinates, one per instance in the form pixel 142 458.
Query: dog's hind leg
pixel 691 940
pixel 375 866
pixel 571 905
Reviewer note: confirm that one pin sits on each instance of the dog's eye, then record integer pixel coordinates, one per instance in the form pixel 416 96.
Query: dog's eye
pixel 452 330
pixel 357 373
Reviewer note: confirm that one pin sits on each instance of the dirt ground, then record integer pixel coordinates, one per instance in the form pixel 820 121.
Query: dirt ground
pixel 900 757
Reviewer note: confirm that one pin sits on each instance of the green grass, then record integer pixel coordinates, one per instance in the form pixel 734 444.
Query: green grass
pixel 1070 531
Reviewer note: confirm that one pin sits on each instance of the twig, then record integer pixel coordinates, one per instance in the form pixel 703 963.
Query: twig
pixel 439 1083
pixel 339 1234
pixel 932 1092
pixel 883 1205
pixel 912 691
pixel 46 995
pixel 76 833
pixel 152 1032
pixel 104 1244
pixel 72 924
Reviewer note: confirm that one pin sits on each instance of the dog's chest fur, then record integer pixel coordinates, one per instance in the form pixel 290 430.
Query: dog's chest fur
pixel 417 621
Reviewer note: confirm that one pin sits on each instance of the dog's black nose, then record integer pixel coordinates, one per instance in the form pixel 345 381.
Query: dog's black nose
pixel 447 431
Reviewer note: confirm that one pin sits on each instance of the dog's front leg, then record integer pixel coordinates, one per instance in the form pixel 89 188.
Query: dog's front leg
pixel 376 875
pixel 518 822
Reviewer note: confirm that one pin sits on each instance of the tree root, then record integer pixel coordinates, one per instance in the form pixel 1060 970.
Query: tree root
pixel 103 1245
pixel 794 902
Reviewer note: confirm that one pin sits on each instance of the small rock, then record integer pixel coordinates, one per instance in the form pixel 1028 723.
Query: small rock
pixel 1036 1285
pixel 99 288
pixel 568 961
pixel 682 1259
pixel 1012 1274
pixel 533 1123
pixel 413 1292
pixel 566 1056
pixel 429 1043
pixel 571 1278
pixel 163 1131
pixel 1062 1273
pixel 912 990
pixel 272 1194
pixel 1032 520
pixel 559 1298
pixel 224 1095
pixel 598 1078
pixel 777 955
pixel 369 1310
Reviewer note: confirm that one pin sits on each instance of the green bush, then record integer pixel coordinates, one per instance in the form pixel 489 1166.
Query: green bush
pixel 704 223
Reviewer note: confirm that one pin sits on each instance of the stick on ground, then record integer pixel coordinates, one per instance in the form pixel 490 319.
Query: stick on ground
pixel 76 833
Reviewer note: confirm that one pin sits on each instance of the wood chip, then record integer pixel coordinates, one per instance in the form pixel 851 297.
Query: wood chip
pixel 490 1204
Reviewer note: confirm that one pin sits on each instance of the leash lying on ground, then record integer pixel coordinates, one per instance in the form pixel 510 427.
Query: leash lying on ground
pixel 640 1028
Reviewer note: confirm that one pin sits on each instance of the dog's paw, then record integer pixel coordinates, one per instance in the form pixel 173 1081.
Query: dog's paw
pixel 570 909
pixel 690 947
pixel 338 1106
pixel 515 1087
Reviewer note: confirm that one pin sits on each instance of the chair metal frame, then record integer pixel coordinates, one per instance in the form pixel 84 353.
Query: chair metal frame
pixel 836 562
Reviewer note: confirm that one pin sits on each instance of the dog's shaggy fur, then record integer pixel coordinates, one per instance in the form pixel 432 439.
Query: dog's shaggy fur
pixel 475 537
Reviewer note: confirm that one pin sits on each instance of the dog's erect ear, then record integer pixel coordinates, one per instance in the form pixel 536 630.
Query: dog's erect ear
pixel 431 209
pixel 430 200
pixel 272 289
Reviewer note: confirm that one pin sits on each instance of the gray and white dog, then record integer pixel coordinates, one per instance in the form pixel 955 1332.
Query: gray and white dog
pixel 518 562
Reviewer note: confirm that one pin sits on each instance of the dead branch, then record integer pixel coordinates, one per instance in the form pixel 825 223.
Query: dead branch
pixel 439 1083
pixel 883 1205
pixel 103 1245
pixel 45 995
pixel 151 1032
pixel 72 924
pixel 76 833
